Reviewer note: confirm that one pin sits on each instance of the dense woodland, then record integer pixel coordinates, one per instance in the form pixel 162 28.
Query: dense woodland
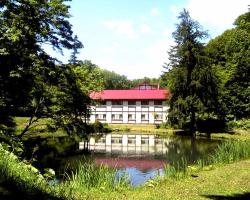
pixel 208 82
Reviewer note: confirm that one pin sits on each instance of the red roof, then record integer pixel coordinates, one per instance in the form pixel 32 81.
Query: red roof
pixel 143 164
pixel 160 94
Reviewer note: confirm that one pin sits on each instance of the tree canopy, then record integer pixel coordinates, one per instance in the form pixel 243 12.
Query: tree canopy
pixel 31 81
pixel 230 53
pixel 190 78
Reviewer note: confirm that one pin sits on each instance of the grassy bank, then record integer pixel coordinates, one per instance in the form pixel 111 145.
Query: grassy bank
pixel 19 180
pixel 224 182
pixel 222 174
pixel 24 181
pixel 142 128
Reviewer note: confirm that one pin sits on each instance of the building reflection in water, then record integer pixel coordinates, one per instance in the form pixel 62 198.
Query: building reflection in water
pixel 129 150
pixel 128 144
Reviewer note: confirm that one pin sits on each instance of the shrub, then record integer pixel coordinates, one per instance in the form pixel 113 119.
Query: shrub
pixel 240 124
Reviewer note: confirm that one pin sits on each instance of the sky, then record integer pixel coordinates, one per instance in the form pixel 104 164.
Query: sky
pixel 132 37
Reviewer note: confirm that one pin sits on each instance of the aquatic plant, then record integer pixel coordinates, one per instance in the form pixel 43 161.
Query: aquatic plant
pixel 226 152
pixel 89 176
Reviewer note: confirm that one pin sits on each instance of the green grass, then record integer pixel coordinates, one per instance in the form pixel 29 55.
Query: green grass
pixel 226 153
pixel 226 181
pixel 142 128
pixel 222 174
pixel 91 178
pixel 37 129
pixel 237 134
pixel 25 181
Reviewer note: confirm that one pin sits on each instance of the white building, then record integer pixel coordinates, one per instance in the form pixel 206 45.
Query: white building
pixel 145 104
pixel 129 144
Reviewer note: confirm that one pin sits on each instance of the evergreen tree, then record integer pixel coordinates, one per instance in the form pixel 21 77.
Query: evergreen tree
pixel 190 78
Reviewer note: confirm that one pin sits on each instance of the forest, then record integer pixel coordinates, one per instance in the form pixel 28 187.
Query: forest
pixel 209 82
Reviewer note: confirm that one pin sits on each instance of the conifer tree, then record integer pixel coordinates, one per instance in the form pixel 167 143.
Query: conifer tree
pixel 189 76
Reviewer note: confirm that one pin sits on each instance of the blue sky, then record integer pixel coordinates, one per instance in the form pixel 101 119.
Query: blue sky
pixel 132 37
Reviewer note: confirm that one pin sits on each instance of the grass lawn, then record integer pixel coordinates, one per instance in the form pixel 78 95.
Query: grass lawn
pixel 238 134
pixel 224 182
pixel 142 128
pixel 37 129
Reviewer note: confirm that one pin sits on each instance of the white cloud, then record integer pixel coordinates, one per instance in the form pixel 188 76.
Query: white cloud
pixel 217 15
pixel 157 55
pixel 154 12
pixel 144 28
pixel 121 27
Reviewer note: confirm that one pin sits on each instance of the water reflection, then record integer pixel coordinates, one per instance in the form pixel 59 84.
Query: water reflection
pixel 128 144
pixel 143 157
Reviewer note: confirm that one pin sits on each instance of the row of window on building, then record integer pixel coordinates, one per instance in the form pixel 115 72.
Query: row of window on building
pixel 130 116
pixel 133 103
pixel 131 140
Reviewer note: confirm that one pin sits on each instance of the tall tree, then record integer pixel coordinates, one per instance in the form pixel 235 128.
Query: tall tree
pixel 189 76
pixel 25 68
pixel 230 53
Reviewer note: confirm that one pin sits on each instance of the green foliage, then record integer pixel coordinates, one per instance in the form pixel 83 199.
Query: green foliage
pixel 113 80
pixel 226 152
pixel 239 124
pixel 190 77
pixel 98 127
pixel 28 75
pixel 163 125
pixel 90 177
pixel 229 152
pixel 231 59
pixel 26 181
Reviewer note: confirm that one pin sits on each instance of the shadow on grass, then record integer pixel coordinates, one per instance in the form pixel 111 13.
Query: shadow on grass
pixel 244 196
pixel 13 194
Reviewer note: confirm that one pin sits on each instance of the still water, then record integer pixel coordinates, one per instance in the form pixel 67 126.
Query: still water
pixel 144 157
pixel 141 156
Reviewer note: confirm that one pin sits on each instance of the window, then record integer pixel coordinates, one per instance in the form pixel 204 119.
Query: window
pixel 145 103
pixel 131 140
pixel 117 103
pixel 101 140
pixel 144 141
pixel 131 116
pixel 158 116
pixel 116 116
pixel 115 140
pixel 100 116
pixel 144 117
pixel 131 103
pixel 158 102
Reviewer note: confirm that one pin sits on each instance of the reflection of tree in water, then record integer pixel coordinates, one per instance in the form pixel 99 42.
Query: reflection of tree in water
pixel 189 148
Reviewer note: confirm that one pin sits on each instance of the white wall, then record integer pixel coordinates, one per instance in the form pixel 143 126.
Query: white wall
pixel 150 111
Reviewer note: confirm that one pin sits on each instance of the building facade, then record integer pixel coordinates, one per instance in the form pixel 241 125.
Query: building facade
pixel 144 104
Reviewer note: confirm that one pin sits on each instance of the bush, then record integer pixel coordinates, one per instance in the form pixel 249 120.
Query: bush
pixel 240 124
pixel 98 127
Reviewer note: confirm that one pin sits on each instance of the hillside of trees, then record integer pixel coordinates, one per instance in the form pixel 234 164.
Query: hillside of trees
pixel 207 81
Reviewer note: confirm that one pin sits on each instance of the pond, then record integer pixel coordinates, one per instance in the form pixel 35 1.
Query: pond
pixel 141 156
